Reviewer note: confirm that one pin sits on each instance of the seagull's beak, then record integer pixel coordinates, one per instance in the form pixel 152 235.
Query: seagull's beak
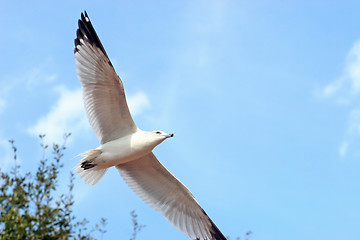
pixel 170 135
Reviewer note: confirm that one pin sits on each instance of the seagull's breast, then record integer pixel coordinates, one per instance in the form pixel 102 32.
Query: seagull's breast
pixel 125 149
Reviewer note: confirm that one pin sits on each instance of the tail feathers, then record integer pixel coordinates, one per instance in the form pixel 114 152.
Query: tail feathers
pixel 89 171
pixel 92 176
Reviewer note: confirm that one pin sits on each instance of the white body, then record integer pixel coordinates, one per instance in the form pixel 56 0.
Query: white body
pixel 127 148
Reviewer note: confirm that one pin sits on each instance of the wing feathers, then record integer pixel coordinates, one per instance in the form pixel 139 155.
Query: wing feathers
pixel 162 191
pixel 103 91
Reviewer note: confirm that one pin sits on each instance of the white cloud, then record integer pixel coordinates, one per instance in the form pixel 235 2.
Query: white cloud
pixel 345 90
pixel 138 103
pixel 353 132
pixel 353 68
pixel 332 88
pixel 68 115
pixel 347 86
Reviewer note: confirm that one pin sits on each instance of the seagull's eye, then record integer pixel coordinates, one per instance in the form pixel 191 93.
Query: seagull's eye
pixel 158 132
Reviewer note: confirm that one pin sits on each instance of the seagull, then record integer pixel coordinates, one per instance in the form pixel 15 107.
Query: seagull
pixel 125 146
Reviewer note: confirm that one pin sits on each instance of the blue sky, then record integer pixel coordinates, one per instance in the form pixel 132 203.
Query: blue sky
pixel 263 97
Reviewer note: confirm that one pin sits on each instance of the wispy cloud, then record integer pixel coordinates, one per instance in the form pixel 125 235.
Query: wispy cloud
pixel 353 68
pixel 39 74
pixel 345 90
pixel 138 103
pixel 343 148
pixel 33 77
pixel 68 114
pixel 346 87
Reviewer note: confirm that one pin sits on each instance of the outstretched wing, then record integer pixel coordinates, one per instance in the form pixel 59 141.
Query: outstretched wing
pixel 103 91
pixel 162 191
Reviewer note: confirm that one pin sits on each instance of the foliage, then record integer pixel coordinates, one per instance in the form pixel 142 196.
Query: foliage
pixel 246 237
pixel 30 208
pixel 136 226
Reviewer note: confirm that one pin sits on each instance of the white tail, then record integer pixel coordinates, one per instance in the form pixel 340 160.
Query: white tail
pixel 93 174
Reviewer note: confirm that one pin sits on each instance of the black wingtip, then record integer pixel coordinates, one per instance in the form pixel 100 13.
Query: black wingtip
pixel 214 231
pixel 77 43
pixel 86 29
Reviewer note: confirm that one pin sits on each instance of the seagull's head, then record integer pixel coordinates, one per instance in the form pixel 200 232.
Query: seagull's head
pixel 149 139
pixel 162 135
pixel 156 137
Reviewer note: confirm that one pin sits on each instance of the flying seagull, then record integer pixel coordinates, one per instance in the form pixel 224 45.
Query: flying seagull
pixel 125 146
